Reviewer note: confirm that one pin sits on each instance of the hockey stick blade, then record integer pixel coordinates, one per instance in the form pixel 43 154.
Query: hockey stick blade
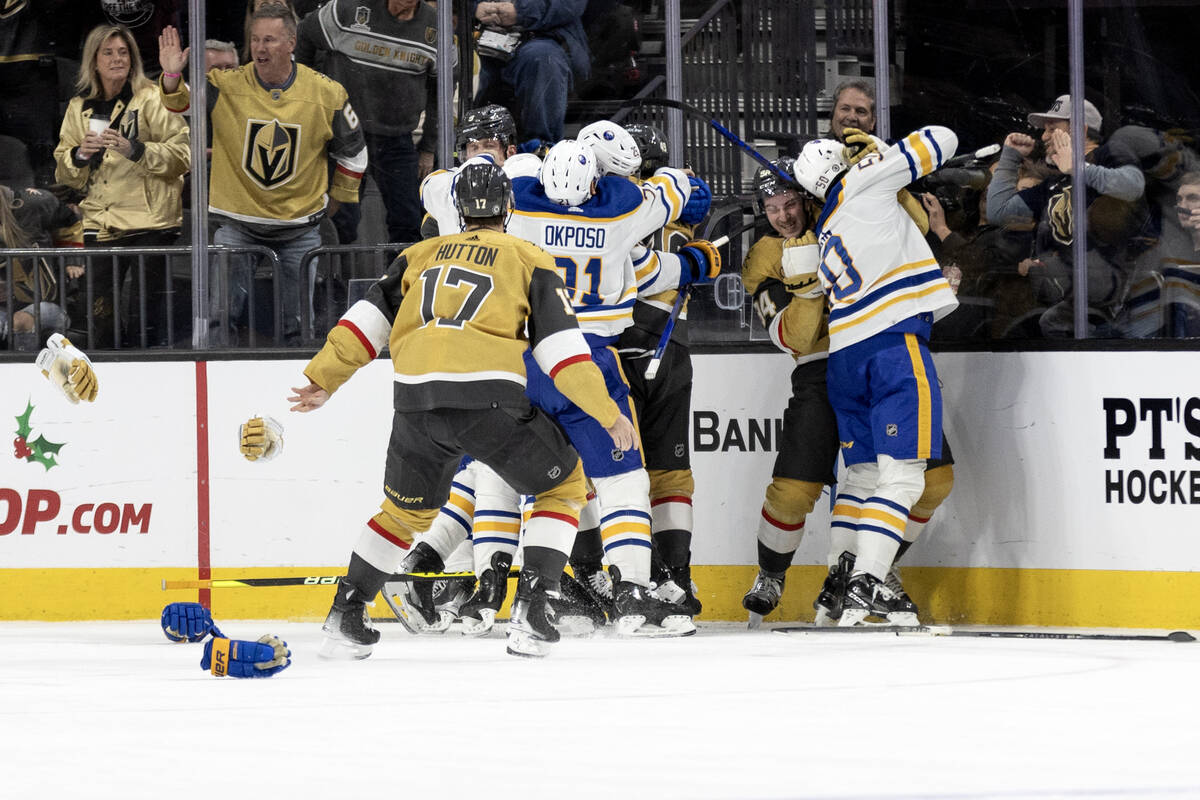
pixel 942 630
pixel 309 580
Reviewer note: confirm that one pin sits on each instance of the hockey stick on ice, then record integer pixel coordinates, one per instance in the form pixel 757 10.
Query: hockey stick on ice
pixel 306 580
pixel 945 630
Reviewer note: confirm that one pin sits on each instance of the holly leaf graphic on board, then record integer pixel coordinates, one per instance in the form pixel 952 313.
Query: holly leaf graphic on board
pixel 41 449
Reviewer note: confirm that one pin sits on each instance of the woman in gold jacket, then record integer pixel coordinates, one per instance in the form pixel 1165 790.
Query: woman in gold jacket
pixel 129 154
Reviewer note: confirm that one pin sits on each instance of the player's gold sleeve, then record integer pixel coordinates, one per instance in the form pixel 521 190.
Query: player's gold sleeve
pixel 341 356
pixel 802 327
pixel 583 385
pixel 765 260
pixel 914 208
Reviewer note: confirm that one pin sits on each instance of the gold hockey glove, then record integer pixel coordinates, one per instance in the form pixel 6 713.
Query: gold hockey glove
pixel 260 438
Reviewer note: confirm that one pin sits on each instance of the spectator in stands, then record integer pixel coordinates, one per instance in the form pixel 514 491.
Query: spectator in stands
pixel 219 55
pixel 1116 209
pixel 538 48
pixel 20 331
pixel 28 90
pixel 119 144
pixel 255 5
pixel 384 53
pixel 853 107
pixel 276 126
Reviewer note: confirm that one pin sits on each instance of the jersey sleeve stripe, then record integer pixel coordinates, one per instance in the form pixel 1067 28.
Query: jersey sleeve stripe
pixel 559 349
pixel 370 324
pixel 366 343
pixel 342 169
pixel 778 337
pixel 566 362
pixel 842 326
pixel 913 171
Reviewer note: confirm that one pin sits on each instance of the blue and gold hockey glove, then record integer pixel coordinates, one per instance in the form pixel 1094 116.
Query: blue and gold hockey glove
pixel 696 208
pixel 701 262
pixel 186 622
pixel 241 659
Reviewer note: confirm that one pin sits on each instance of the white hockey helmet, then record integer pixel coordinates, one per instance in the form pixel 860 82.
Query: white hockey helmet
pixel 569 172
pixel 616 150
pixel 818 165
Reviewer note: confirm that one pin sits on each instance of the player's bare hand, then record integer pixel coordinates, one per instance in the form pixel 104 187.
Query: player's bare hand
pixel 308 398
pixel 1021 142
pixel 623 434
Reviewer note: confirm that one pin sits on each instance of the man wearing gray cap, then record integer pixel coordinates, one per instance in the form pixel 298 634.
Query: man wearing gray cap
pixel 1116 210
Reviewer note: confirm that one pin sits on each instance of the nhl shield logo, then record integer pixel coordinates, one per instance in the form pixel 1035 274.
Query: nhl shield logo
pixel 10 7
pixel 893 429
pixel 554 472
pixel 271 148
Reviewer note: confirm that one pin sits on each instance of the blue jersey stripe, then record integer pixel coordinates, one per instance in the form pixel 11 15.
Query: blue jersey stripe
pixel 865 303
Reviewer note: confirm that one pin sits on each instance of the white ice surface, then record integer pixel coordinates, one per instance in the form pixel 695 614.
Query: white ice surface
pixel 113 710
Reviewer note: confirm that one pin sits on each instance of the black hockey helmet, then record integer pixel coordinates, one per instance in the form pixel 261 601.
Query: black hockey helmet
pixel 653 145
pixel 487 122
pixel 768 183
pixel 482 190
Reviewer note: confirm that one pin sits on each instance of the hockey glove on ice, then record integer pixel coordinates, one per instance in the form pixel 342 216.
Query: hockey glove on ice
pixel 696 208
pixel 241 659
pixel 859 144
pixel 69 369
pixel 187 622
pixel 701 262
pixel 261 437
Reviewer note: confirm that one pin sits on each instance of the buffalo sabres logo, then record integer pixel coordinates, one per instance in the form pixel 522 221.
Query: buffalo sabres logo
pixel 271 151
pixel 10 7
pixel 362 19
pixel 1060 217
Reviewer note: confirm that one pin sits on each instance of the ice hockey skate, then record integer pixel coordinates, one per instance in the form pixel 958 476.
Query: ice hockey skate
pixel 763 597
pixel 828 604
pixel 530 631
pixel 641 614
pixel 592 578
pixel 347 628
pixel 576 612
pixel 678 588
pixel 868 601
pixel 478 614
pixel 892 580
pixel 413 601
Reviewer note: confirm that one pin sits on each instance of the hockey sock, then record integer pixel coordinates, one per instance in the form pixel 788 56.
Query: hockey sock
pixel 588 548
pixel 673 548
pixel 903 548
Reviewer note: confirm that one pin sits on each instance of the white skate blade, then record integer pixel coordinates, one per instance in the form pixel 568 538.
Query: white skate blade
pixel 823 620
pixel 575 625
pixel 479 627
pixel 635 627
pixel 338 649
pixel 525 645
pixel 755 621
pixel 413 622
pixel 851 617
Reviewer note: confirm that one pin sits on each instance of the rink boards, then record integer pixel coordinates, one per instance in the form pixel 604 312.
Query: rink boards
pixel 1077 481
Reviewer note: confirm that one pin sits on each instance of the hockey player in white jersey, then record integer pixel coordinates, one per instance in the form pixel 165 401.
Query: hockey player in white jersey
pixel 885 290
pixel 590 223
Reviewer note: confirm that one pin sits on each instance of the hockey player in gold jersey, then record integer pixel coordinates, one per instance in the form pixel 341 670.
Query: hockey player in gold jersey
pixel 452 311
pixel 276 125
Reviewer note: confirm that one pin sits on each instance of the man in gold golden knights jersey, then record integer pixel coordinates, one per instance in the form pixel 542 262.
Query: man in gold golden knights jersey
pixel 276 126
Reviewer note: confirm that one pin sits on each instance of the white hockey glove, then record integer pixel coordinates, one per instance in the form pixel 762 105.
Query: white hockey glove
pixel 260 438
pixel 801 258
pixel 69 369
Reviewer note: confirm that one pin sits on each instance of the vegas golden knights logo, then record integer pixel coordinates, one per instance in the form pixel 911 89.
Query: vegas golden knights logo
pixel 271 150
pixel 10 7
pixel 1060 217
pixel 129 125
pixel 430 36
